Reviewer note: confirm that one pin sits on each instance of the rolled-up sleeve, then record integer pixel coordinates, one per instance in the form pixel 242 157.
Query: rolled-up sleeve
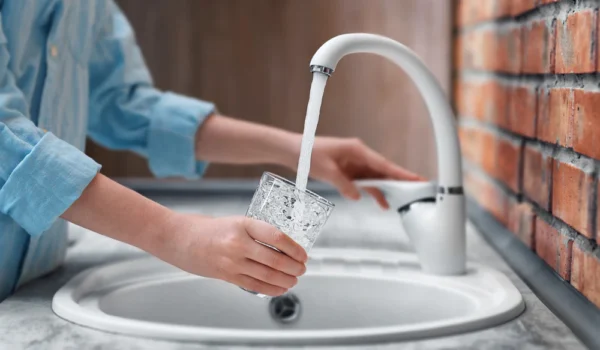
pixel 127 112
pixel 40 174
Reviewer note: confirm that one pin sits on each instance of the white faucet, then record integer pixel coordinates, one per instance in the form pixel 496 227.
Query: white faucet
pixel 433 214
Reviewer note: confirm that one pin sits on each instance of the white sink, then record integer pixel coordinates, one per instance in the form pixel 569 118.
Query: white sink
pixel 347 296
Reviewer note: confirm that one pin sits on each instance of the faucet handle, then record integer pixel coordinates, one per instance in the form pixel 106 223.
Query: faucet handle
pixel 401 193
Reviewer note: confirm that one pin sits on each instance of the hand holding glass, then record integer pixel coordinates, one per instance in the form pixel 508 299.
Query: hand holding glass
pixel 299 214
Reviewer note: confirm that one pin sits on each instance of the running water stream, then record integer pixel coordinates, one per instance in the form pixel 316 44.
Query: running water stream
pixel 310 128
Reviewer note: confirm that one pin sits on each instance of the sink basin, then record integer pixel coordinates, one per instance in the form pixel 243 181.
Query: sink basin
pixel 347 296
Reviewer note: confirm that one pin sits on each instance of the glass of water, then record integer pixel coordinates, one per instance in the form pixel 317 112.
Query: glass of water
pixel 300 214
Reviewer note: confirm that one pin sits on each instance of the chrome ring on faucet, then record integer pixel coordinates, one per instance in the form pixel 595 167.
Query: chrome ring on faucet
pixel 321 69
pixel 450 190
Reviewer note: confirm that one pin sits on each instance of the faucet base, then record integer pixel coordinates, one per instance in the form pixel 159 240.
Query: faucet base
pixel 439 241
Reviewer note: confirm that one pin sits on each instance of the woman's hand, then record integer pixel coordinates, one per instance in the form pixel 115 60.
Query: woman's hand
pixel 339 161
pixel 225 248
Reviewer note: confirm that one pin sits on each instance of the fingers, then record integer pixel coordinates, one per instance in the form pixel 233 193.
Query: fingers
pixel 345 186
pixel 263 232
pixel 378 196
pixel 389 169
pixel 269 275
pixel 276 260
pixel 255 285
pixel 400 173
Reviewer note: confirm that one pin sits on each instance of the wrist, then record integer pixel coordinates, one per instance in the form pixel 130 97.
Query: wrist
pixel 170 233
pixel 289 150
pixel 160 231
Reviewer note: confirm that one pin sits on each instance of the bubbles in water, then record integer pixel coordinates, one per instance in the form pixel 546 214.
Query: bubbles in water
pixel 296 213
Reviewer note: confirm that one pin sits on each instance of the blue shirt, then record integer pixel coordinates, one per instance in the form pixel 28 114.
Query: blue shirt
pixel 71 69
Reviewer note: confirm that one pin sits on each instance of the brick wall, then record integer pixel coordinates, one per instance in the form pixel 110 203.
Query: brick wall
pixel 527 93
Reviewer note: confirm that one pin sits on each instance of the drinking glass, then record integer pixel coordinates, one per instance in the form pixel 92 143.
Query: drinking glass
pixel 300 214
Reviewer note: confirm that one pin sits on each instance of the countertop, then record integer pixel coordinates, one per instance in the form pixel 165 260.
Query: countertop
pixel 27 320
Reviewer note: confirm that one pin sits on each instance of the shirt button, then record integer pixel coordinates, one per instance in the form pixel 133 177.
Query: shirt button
pixel 53 51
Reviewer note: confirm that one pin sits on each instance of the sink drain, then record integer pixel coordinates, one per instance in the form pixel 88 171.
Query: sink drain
pixel 285 308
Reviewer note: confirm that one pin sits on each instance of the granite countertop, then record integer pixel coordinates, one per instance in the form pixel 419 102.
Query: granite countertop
pixel 27 320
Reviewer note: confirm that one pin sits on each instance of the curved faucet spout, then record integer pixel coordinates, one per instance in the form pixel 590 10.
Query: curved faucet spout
pixel 442 117
pixel 441 248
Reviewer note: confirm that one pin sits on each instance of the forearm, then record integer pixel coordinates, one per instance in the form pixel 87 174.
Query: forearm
pixel 226 140
pixel 113 210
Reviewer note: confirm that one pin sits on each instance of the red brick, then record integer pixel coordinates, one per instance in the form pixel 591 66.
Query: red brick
pixel 493 103
pixel 491 9
pixel 521 117
pixel 543 2
pixel 555 116
pixel 597 47
pixel 575 52
pixel 546 245
pixel 491 197
pixel 467 56
pixel 460 97
pixel 479 50
pixel 469 143
pixel 489 43
pixel 508 160
pixel 586 123
pixel 465 12
pixel 483 100
pixel 465 98
pixel 537 176
pixel 518 7
pixel 553 247
pixel 542 130
pixel 598 212
pixel 539 39
pixel 489 50
pixel 571 196
pixel 585 274
pixel 461 13
pixel 487 152
pixel 501 158
pixel 490 102
pixel 497 156
pixel 565 253
pixel 473 11
pixel 507 58
pixel 521 222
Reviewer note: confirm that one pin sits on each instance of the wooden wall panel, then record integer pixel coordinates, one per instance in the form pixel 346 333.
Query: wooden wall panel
pixel 251 58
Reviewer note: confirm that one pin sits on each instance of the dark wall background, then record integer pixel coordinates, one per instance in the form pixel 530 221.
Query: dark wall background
pixel 251 58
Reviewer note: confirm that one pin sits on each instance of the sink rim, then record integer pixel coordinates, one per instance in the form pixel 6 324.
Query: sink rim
pixel 65 303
